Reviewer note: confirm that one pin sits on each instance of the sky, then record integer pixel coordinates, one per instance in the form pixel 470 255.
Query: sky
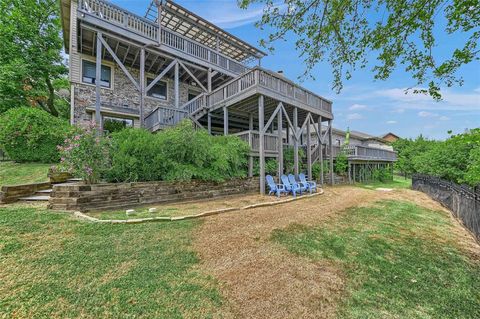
pixel 364 104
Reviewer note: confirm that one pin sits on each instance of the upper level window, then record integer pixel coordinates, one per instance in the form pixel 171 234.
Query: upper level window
pixel 89 74
pixel 159 90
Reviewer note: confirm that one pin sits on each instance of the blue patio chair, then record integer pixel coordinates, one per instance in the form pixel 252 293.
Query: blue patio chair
pixel 289 187
pixel 276 189
pixel 303 187
pixel 310 184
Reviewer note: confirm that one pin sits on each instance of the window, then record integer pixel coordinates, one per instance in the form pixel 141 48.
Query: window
pixel 89 74
pixel 115 124
pixel 159 90
pixel 192 94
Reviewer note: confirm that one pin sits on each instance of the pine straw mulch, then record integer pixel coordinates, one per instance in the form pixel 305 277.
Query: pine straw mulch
pixel 260 279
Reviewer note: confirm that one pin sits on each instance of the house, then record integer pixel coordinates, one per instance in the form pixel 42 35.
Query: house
pixel 170 64
pixel 390 137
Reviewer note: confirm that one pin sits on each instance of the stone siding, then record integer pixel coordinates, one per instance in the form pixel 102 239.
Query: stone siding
pixel 96 197
pixel 124 94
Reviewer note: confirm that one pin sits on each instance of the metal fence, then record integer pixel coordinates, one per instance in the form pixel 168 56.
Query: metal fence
pixel 462 200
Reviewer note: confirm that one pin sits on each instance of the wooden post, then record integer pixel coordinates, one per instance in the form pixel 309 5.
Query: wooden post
pixel 261 123
pixel 225 120
pixel 209 80
pixel 295 141
pixel 309 151
pixel 159 21
pixel 349 172
pixel 250 157
pixel 142 86
pixel 177 86
pixel 280 143
pixel 320 149
pixel 330 145
pixel 98 80
pixel 209 122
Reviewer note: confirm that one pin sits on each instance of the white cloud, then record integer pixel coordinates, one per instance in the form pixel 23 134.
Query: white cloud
pixel 354 116
pixel 357 107
pixel 426 114
pixel 444 118
pixel 391 122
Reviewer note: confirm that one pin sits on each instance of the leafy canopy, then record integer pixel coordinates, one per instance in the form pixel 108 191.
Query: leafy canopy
pixel 350 33
pixel 31 65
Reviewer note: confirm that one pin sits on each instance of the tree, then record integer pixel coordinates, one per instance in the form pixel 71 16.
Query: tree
pixel 349 33
pixel 32 65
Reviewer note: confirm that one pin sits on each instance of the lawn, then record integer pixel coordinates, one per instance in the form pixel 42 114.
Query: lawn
pixel 398 182
pixel 399 261
pixel 56 267
pixel 12 173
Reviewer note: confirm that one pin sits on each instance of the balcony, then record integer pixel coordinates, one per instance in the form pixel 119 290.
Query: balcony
pixel 121 20
pixel 262 81
pixel 364 153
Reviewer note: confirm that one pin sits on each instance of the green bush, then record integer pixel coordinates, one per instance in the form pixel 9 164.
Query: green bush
pixel 341 163
pixel 180 153
pixel 32 135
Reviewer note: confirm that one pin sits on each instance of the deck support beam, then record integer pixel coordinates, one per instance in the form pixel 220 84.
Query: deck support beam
pixel 320 141
pixel 177 85
pixel 250 157
pixel 280 143
pixel 309 150
pixel 295 140
pixel 209 122
pixel 98 80
pixel 330 146
pixel 225 120
pixel 142 87
pixel 209 80
pixel 261 151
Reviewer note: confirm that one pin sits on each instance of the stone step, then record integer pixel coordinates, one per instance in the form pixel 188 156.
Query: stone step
pixel 36 198
pixel 44 192
pixel 74 180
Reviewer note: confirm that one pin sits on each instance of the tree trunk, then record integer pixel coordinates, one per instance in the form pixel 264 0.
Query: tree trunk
pixel 51 97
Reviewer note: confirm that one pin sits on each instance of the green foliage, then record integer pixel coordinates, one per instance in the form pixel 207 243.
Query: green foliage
pixel 85 154
pixel 455 159
pixel 341 163
pixel 289 162
pixel 399 260
pixel 179 153
pixel 32 64
pixel 32 135
pixel 12 173
pixel 382 174
pixel 351 34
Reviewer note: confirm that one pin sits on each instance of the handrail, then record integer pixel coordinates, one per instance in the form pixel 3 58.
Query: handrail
pixel 144 27
pixel 164 116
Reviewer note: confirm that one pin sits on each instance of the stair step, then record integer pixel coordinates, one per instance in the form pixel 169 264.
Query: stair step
pixel 74 180
pixel 39 198
pixel 44 192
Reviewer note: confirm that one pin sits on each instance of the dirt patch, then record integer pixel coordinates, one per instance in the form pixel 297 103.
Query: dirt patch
pixel 259 278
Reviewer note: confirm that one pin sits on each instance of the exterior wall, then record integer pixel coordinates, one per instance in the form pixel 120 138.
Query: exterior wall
pixel 122 93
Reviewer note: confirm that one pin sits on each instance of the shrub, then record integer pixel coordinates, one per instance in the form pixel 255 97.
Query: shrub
pixel 85 154
pixel 32 135
pixel 180 153
pixel 341 163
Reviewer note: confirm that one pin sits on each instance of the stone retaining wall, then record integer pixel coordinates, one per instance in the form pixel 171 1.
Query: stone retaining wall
pixel 10 194
pixel 84 198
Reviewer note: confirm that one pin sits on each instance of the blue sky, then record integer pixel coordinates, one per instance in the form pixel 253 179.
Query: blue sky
pixel 375 107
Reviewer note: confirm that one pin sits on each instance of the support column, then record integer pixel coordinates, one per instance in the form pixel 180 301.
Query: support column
pixel 209 122
pixel 225 120
pixel 309 152
pixel 321 149
pixel 295 141
pixel 280 143
pixel 349 172
pixel 261 123
pixel 177 86
pixel 330 146
pixel 209 80
pixel 250 157
pixel 98 80
pixel 142 87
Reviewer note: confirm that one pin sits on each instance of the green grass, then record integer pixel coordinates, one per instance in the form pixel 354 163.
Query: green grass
pixel 399 260
pixel 397 183
pixel 23 173
pixel 53 266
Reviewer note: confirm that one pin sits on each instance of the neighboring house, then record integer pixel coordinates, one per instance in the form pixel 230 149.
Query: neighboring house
pixel 156 70
pixel 390 137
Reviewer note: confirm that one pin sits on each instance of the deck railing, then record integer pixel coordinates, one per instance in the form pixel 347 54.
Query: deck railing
pixel 164 117
pixel 268 80
pixel 146 28
pixel 364 152
pixel 270 143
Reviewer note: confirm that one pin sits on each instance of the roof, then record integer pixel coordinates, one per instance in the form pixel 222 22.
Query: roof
pixel 359 135
pixel 190 25
pixel 390 133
